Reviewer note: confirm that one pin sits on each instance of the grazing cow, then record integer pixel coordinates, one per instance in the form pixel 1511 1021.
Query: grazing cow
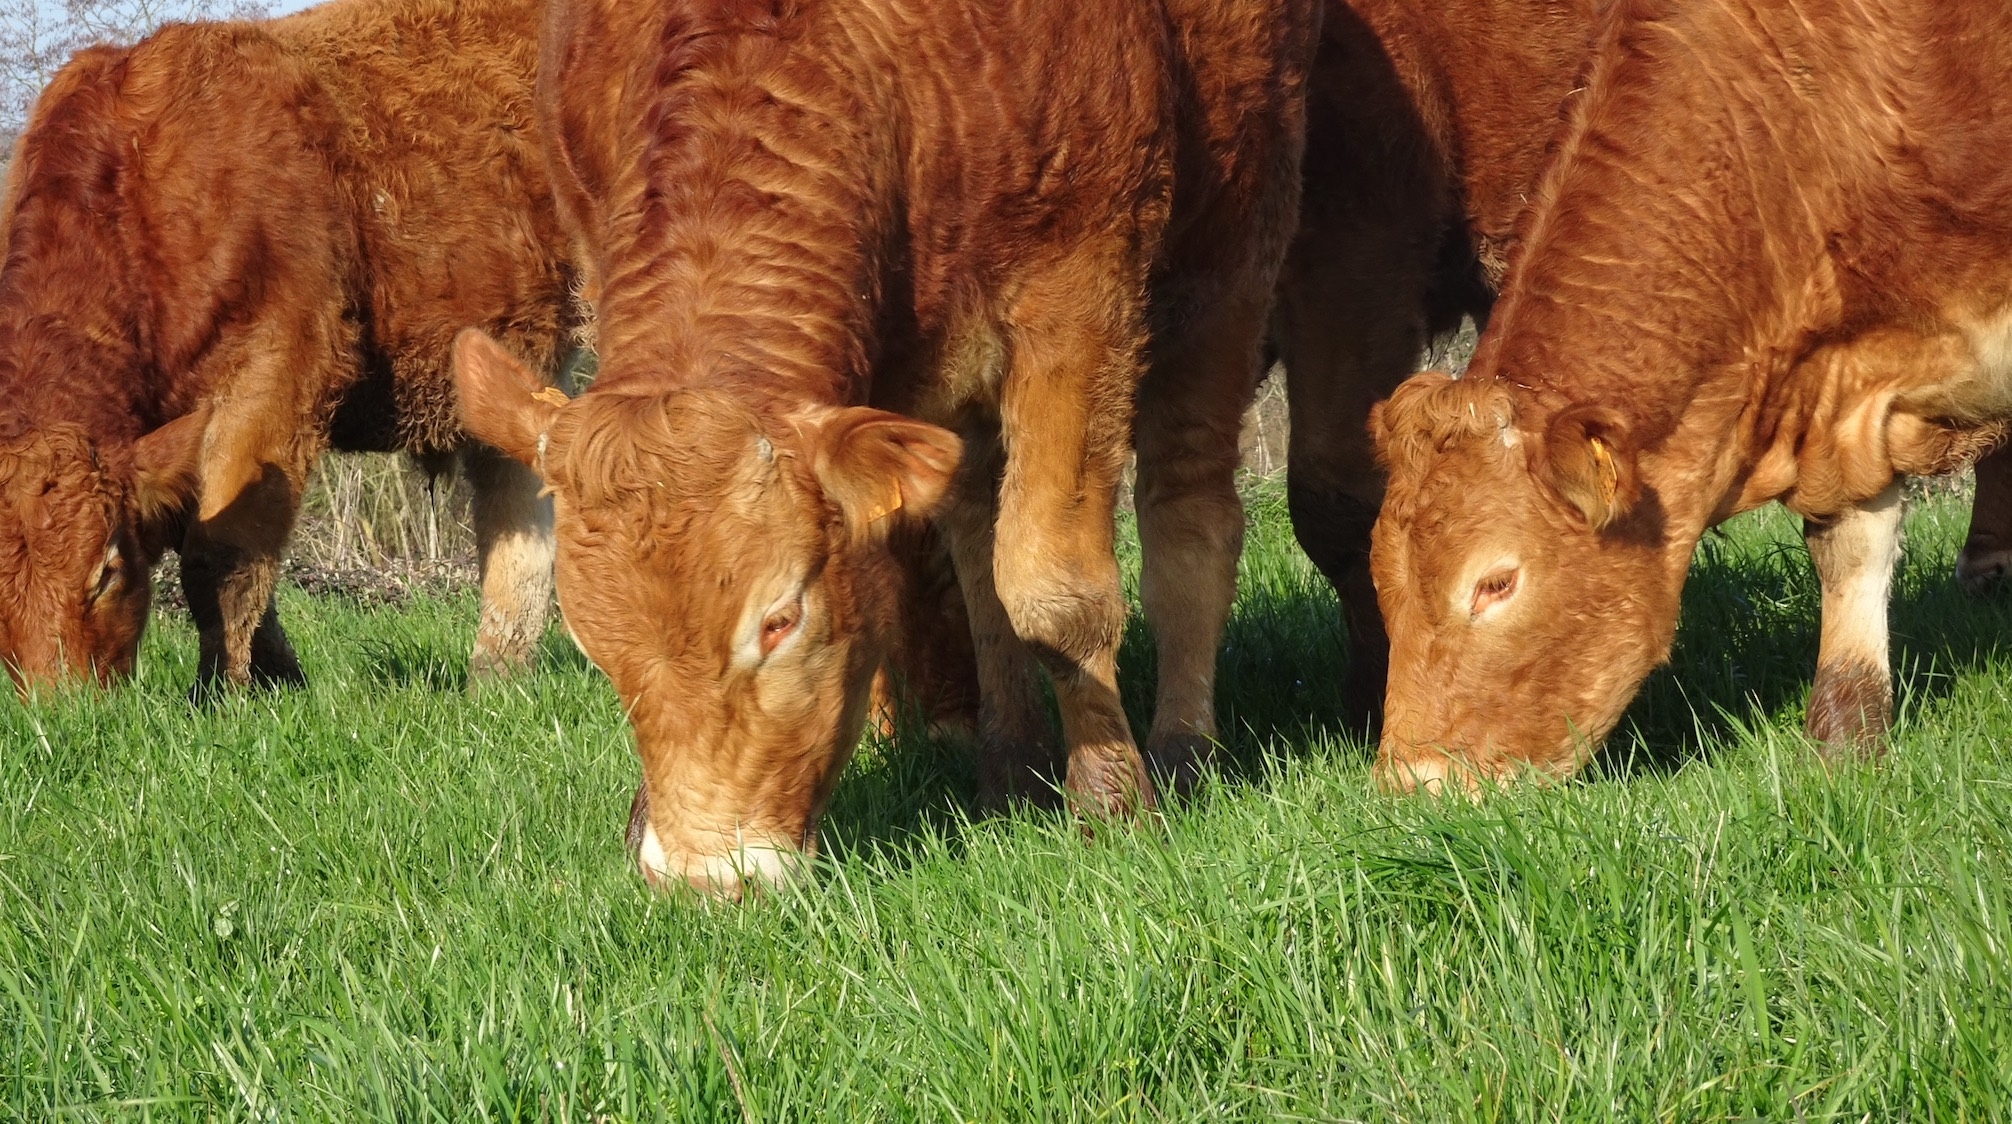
pixel 809 223
pixel 1771 260
pixel 228 247
pixel 1427 124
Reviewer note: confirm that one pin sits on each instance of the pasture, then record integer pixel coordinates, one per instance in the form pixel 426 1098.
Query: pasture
pixel 387 898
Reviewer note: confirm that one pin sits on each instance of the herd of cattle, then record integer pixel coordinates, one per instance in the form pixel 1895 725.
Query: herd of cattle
pixel 884 295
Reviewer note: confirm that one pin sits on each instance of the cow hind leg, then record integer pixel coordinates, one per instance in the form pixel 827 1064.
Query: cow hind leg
pixel 1987 552
pixel 929 678
pixel 1851 703
pixel 1191 524
pixel 514 541
pixel 1018 756
pixel 1075 359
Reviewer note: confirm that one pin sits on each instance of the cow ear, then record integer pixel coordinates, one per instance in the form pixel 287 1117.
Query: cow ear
pixel 501 401
pixel 875 465
pixel 1589 461
pixel 167 473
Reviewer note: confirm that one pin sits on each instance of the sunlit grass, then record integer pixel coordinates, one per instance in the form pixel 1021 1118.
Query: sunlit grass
pixel 385 897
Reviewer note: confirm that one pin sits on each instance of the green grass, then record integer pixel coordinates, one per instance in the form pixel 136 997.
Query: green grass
pixel 385 898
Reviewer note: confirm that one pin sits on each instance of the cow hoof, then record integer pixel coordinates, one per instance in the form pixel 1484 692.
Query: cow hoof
pixel 1850 708
pixel 488 667
pixel 1837 745
pixel 284 677
pixel 639 821
pixel 1110 786
pixel 209 690
pixel 1176 763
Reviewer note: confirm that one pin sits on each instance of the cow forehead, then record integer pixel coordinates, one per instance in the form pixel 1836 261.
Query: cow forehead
pixel 692 527
pixel 60 454
pixel 694 445
pixel 1470 479
pixel 53 493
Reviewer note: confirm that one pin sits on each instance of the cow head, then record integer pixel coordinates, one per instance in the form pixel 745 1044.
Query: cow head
pixel 1524 576
pixel 727 568
pixel 81 526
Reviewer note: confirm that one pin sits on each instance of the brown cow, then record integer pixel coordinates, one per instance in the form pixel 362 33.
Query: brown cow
pixel 230 246
pixel 1772 260
pixel 1427 124
pixel 979 213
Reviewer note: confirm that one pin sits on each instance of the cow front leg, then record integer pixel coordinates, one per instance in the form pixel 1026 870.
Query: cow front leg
pixel 1191 523
pixel 1851 703
pixel 263 437
pixel 1349 323
pixel 513 539
pixel 1075 360
pixel 1343 349
pixel 230 567
pixel 1987 552
pixel 1018 756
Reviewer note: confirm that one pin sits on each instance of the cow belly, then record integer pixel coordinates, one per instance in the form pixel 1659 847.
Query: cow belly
pixel 963 373
pixel 1985 389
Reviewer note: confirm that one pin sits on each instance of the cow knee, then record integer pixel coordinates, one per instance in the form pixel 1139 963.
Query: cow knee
pixel 513 531
pixel 1192 499
pixel 1068 618
pixel 1332 526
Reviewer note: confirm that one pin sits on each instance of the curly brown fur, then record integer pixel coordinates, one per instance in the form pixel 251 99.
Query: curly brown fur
pixel 281 223
pixel 989 215
pixel 1773 253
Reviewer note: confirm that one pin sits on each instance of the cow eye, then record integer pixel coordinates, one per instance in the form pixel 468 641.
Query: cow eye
pixel 108 574
pixel 1493 589
pixel 776 627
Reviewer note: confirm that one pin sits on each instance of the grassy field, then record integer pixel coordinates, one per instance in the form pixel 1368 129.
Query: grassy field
pixel 386 898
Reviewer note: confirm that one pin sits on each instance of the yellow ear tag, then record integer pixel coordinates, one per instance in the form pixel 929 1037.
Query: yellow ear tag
pixel 1610 476
pixel 887 506
pixel 551 396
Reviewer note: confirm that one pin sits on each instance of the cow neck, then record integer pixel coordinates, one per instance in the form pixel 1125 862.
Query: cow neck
pixel 747 247
pixel 1670 272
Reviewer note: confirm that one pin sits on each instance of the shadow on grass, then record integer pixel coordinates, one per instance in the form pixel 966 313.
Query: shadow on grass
pixel 1278 678
pixel 413 663
pixel 1745 654
pixel 557 654
pixel 1747 645
pixel 899 792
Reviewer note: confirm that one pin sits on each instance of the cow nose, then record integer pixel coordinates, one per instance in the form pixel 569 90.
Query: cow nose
pixel 35 665
pixel 1412 770
pixel 728 875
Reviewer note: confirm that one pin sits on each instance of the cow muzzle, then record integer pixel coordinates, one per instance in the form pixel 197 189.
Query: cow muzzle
pixel 729 874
